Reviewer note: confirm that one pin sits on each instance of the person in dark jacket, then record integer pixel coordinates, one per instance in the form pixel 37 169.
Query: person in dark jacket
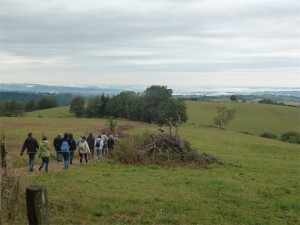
pixel 110 144
pixel 56 144
pixel 91 141
pixel 73 147
pixel 31 144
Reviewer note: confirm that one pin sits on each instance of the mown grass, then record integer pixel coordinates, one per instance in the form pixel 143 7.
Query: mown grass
pixel 258 183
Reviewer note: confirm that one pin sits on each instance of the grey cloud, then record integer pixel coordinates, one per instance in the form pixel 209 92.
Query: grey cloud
pixel 156 36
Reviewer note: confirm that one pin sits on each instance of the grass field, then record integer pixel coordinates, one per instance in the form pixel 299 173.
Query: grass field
pixel 58 112
pixel 258 183
pixel 250 117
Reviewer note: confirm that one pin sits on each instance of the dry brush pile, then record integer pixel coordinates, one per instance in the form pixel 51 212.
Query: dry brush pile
pixel 162 149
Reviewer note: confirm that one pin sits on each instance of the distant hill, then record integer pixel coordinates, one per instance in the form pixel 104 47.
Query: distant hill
pixel 289 100
pixel 37 88
pixel 63 94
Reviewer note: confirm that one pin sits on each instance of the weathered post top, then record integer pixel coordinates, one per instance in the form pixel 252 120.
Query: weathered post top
pixel 37 205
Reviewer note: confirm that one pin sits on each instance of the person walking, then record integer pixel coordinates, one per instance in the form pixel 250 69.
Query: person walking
pixel 73 146
pixel 104 139
pixel 84 149
pixel 31 144
pixel 110 144
pixel 65 150
pixel 99 146
pixel 56 144
pixel 44 153
pixel 91 142
pixel 78 142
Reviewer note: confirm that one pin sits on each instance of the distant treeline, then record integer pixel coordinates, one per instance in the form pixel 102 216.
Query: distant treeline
pixel 268 101
pixel 17 108
pixel 242 98
pixel 155 105
pixel 61 99
pixel 17 103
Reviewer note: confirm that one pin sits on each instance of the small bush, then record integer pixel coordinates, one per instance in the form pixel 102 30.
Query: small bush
pixel 268 135
pixel 112 124
pixel 291 137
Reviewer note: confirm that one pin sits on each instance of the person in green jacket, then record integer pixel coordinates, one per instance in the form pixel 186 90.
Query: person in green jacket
pixel 44 153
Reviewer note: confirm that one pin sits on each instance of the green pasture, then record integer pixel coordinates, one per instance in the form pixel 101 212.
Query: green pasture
pixel 258 183
pixel 58 112
pixel 250 117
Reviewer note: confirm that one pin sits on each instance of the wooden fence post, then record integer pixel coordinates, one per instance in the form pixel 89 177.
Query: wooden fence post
pixel 3 172
pixel 37 205
pixel 3 157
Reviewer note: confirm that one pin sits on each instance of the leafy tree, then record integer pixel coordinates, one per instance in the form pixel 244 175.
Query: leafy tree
pixel 93 108
pixel 124 105
pixel 31 105
pixel 14 108
pixel 156 104
pixel 77 106
pixel 96 106
pixel 224 116
pixel 47 103
pixel 176 114
pixel 233 98
pixel 103 110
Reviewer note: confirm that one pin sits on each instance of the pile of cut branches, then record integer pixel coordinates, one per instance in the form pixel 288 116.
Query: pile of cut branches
pixel 161 149
pixel 167 147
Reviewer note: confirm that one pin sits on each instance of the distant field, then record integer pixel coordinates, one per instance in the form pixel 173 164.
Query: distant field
pixel 258 183
pixel 250 117
pixel 58 112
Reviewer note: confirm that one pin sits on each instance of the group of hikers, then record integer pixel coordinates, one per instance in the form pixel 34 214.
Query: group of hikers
pixel 66 146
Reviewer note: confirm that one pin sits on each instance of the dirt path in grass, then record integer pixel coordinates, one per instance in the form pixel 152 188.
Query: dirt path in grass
pixel 52 167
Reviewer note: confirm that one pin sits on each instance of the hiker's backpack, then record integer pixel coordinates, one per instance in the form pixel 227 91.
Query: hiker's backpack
pixel 98 144
pixel 82 147
pixel 64 146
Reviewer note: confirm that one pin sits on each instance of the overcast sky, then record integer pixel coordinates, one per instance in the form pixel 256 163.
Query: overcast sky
pixel 146 42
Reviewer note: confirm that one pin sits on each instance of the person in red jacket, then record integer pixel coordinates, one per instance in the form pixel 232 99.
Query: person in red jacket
pixel 31 144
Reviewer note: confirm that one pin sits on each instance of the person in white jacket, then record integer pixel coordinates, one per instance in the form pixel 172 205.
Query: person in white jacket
pixel 99 146
pixel 84 150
